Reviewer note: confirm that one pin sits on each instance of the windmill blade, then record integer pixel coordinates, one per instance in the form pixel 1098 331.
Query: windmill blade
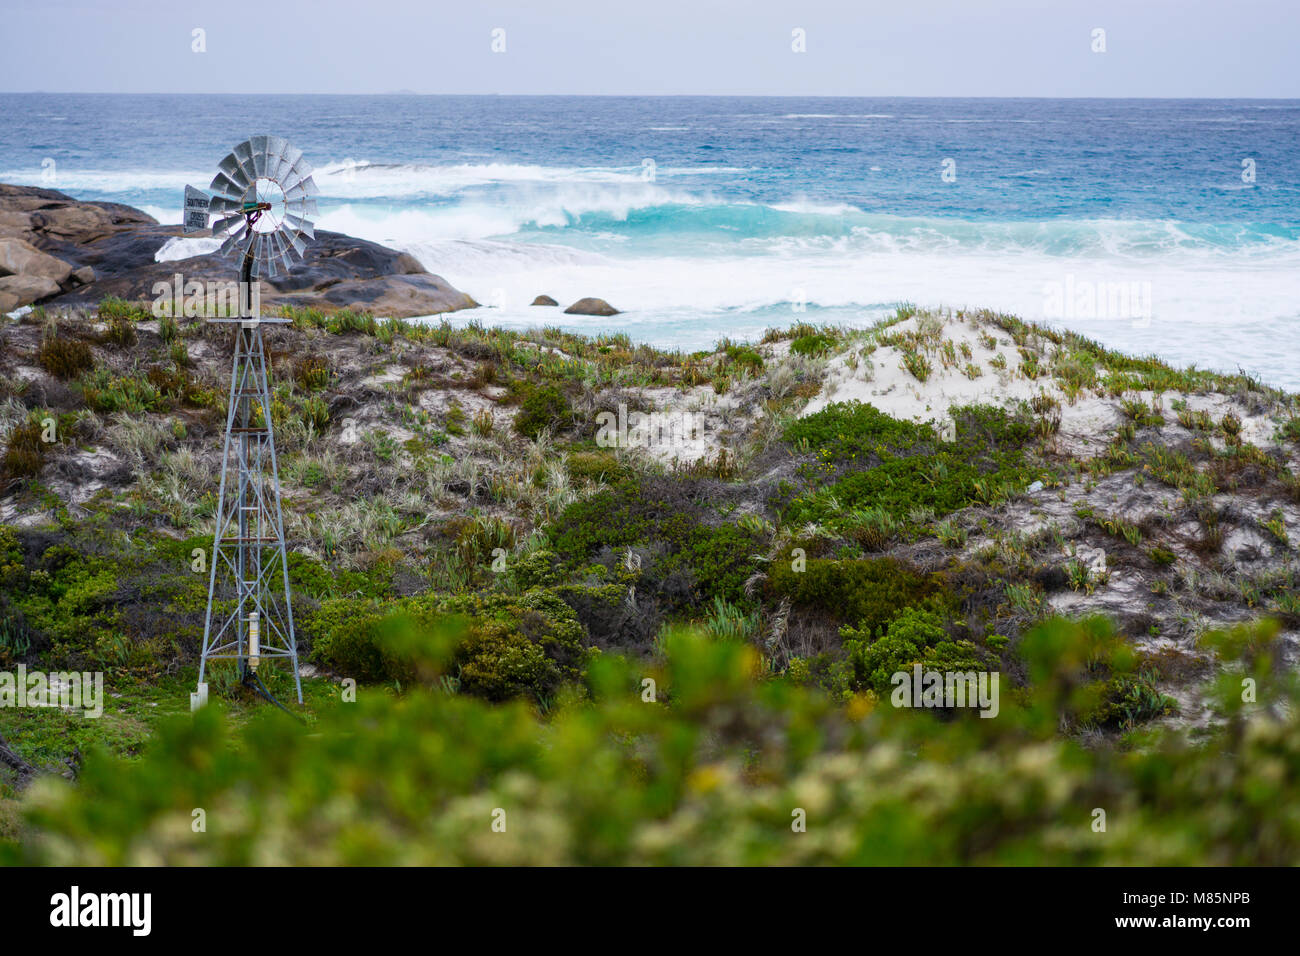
pixel 243 154
pixel 306 208
pixel 276 158
pixel 303 226
pixel 289 168
pixel 302 167
pixel 271 254
pixel 302 190
pixel 258 146
pixel 222 225
pixel 238 240
pixel 275 253
pixel 255 247
pixel 295 175
pixel 224 206
pixel 223 185
pixel 279 171
pixel 294 243
pixel 288 251
pixel 230 166
pixel 275 147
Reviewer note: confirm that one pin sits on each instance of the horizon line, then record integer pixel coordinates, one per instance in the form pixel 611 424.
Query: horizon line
pixel 769 96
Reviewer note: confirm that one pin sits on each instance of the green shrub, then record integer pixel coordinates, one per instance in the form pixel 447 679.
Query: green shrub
pixel 1162 557
pixel 705 776
pixel 120 333
pixel 25 451
pixel 744 357
pixel 508 646
pixel 113 309
pixel 866 593
pixel 814 345
pixel 128 393
pixel 1125 701
pixel 544 406
pixel 862 462
pixel 65 358
pixel 661 516
pixel 316 413
pixel 594 466
pixel 312 372
pixel 352 641
pixel 915 635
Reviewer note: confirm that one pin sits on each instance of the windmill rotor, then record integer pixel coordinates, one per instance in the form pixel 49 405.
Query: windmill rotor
pixel 263 201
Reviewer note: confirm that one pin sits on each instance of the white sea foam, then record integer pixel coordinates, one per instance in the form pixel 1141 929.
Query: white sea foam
pixel 1221 317
pixel 689 268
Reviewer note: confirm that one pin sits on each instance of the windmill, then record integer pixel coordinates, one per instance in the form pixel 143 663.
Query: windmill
pixel 262 197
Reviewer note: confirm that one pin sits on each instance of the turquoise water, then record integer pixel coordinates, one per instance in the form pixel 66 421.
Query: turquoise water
pixel 704 217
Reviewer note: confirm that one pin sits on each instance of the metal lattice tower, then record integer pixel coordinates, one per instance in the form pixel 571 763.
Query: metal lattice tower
pixel 264 193
pixel 249 556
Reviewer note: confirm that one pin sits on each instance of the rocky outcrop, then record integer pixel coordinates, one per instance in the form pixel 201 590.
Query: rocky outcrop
pixel 106 249
pixel 18 257
pixel 591 306
pixel 29 275
pixel 337 272
pixel 57 224
pixel 543 300
pixel 17 291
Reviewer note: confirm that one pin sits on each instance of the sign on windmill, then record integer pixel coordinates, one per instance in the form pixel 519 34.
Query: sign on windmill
pixel 195 214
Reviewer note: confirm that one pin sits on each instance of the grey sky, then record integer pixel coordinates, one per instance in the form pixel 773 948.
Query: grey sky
pixel 1184 48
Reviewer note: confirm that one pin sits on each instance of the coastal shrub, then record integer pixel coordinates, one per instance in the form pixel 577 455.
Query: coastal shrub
pixel 312 372
pixel 866 593
pixel 601 600
pixel 544 406
pixel 1125 701
pixel 744 357
pixel 814 345
pixel 477 536
pixel 690 553
pixel 497 646
pixel 1162 557
pixel 68 586
pixel 24 451
pixel 69 602
pixel 601 780
pixel 120 333
pixel 861 458
pixel 346 321
pixel 1289 430
pixel 350 640
pixel 594 466
pixel 917 364
pixel 915 635
pixel 64 358
pixel 113 309
pixel 516 646
pixel 315 414
pixel 128 393
pixel 536 569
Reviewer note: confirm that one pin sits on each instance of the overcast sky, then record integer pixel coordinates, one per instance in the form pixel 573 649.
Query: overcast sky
pixel 1181 48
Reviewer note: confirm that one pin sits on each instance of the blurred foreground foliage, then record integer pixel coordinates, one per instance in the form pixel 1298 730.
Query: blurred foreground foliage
pixel 717 769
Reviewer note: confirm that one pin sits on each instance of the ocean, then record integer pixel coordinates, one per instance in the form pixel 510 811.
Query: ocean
pixel 1169 227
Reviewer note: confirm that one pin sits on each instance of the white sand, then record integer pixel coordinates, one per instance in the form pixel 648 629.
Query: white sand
pixel 1087 425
